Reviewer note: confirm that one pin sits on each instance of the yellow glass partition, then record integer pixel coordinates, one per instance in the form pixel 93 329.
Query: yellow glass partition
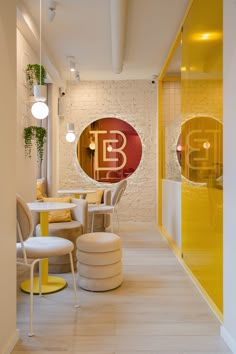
pixel 201 146
pixel 191 149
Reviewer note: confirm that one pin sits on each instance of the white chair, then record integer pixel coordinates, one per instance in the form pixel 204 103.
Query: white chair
pixel 116 195
pixel 37 248
pixel 70 230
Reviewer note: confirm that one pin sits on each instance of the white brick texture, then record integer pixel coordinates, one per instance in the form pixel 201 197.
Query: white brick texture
pixel 136 103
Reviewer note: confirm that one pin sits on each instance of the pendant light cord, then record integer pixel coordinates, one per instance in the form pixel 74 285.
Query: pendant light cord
pixel 40 39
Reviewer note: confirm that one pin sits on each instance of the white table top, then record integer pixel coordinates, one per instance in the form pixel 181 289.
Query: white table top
pixel 76 191
pixel 50 206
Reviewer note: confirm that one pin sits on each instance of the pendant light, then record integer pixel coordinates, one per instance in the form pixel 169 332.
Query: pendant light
pixel 39 109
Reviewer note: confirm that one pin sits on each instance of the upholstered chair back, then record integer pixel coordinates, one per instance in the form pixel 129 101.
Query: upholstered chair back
pixel 118 192
pixel 24 219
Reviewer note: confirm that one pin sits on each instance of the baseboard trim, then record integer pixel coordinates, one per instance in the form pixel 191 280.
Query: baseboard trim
pixel 11 342
pixel 229 340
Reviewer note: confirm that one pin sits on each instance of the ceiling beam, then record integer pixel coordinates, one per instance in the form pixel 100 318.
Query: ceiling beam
pixel 118 29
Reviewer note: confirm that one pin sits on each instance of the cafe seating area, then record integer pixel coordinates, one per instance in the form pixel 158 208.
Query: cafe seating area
pixel 69 225
pixel 62 241
pixel 38 249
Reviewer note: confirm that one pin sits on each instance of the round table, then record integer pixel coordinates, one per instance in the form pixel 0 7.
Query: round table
pixel 81 192
pixel 50 284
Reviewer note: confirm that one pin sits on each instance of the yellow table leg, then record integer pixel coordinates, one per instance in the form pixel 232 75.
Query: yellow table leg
pixel 50 284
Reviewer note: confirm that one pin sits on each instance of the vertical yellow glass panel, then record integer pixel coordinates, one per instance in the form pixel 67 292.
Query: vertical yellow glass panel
pixel 201 146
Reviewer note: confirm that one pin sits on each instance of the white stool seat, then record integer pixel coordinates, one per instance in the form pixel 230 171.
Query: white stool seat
pixel 100 271
pixel 98 242
pixel 99 261
pixel 99 258
pixel 100 284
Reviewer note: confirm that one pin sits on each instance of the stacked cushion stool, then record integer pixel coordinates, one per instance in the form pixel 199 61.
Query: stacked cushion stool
pixel 99 261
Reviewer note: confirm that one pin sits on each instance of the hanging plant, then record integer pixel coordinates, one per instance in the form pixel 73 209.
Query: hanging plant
pixel 33 76
pixel 37 135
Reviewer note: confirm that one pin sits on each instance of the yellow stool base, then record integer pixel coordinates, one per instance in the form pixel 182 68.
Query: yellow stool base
pixel 53 285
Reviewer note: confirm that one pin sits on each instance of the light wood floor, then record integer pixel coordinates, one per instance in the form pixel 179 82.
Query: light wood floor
pixel 156 310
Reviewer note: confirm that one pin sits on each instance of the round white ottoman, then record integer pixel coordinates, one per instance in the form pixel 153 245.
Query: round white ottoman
pixel 99 261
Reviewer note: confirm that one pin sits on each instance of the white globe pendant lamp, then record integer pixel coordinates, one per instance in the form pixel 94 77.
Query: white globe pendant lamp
pixel 40 109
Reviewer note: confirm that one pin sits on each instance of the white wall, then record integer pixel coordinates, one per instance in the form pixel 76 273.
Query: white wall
pixel 171 209
pixel 8 333
pixel 229 325
pixel 26 168
pixel 133 101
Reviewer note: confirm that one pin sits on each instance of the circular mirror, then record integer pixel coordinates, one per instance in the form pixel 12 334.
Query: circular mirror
pixel 109 150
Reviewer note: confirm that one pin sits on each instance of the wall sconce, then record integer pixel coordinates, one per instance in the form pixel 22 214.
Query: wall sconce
pixel 70 135
pixel 206 145
pixel 109 148
pixel 179 148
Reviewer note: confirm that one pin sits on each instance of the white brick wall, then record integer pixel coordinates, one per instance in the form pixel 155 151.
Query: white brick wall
pixel 136 103
pixel 26 168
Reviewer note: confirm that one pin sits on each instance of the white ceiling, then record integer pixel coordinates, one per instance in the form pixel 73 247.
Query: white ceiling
pixel 82 28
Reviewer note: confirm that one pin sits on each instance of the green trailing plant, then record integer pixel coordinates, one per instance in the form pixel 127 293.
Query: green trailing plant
pixel 38 135
pixel 33 76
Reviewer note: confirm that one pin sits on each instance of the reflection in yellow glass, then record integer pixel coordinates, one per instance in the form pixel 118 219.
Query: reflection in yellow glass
pixel 200 152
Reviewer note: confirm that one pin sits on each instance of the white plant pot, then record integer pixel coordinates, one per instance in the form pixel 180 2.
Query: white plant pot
pixel 40 92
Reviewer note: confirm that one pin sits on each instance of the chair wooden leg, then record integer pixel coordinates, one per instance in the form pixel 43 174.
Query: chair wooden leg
pixel 74 282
